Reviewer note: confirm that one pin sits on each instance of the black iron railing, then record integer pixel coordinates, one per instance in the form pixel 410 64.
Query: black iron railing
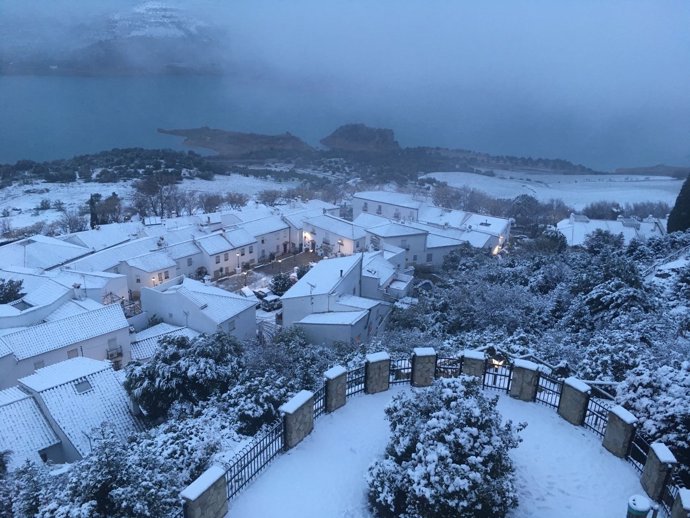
pixel 448 367
pixel 597 415
pixel 401 371
pixel 253 459
pixel 355 381
pixel 497 375
pixel 670 493
pixel 639 449
pixel 549 391
pixel 320 402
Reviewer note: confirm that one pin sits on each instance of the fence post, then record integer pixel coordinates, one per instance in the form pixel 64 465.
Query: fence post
pixel 336 387
pixel 423 366
pixel 377 372
pixel 473 363
pixel 207 496
pixel 525 380
pixel 681 505
pixel 298 418
pixel 620 431
pixel 657 469
pixel 574 401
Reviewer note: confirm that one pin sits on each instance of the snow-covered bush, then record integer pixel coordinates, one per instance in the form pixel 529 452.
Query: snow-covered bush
pixel 448 455
pixel 185 371
pixel 660 398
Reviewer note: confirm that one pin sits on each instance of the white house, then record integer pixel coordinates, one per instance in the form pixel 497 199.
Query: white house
pixel 101 334
pixel 40 252
pixel 390 205
pixel 26 433
pixel 272 236
pixel 334 235
pixel 77 396
pixel 577 227
pixel 187 303
pixel 145 342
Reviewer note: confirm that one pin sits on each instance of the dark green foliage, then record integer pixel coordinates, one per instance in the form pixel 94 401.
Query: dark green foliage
pixel 679 218
pixel 10 290
pixel 185 371
pixel 280 283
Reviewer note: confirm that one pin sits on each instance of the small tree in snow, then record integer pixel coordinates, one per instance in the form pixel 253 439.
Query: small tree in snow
pixel 10 290
pixel 185 371
pixel 281 283
pixel 448 455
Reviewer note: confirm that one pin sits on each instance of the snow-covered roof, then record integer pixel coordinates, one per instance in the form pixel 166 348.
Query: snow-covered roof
pixel 111 257
pixel 103 236
pixel 73 307
pixel 239 237
pixel 354 301
pixel 395 230
pixel 152 262
pixel 40 252
pixel 217 304
pixel 441 216
pixel 183 249
pixel 368 220
pixel 334 317
pixel 391 198
pixel 263 226
pixel 25 430
pixel 69 277
pixel 81 394
pixel 338 226
pixel 577 227
pixel 214 244
pixel 486 224
pixel 146 342
pixel 50 336
pixel 323 277
pixel 375 265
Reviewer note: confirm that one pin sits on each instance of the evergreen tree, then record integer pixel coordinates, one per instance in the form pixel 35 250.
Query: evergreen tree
pixel 10 290
pixel 679 218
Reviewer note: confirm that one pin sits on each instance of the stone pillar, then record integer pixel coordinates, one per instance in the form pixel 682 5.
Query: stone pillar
pixel 298 418
pixel 620 431
pixel 423 366
pixel 473 363
pixel 336 387
pixel 681 505
pixel 574 400
pixel 377 372
pixel 207 496
pixel 658 467
pixel 525 380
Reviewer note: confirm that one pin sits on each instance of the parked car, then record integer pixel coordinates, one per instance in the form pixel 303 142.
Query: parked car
pixel 249 294
pixel 261 293
pixel 271 303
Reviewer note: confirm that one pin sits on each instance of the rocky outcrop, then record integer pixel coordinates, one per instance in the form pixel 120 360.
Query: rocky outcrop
pixel 359 137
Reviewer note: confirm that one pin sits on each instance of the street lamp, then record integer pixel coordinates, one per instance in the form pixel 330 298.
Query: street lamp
pixel 280 266
pixel 238 260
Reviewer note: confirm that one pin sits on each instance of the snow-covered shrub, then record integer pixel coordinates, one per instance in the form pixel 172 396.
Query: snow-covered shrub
pixel 448 455
pixel 184 370
pixel 660 398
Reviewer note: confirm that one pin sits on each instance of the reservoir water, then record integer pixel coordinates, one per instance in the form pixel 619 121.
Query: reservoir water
pixel 48 117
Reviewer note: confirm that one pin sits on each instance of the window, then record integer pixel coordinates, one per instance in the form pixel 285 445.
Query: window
pixel 217 259
pixel 365 207
pixel 251 249
pixel 357 244
pixel 167 274
pixel 138 279
pixel 429 257
pixel 160 276
pixel 403 243
pixel 189 261
pixel 414 258
pixel 226 257
pixel 378 211
pixel 83 386
pixel 72 353
pixel 262 240
pixel 39 364
pixel 242 251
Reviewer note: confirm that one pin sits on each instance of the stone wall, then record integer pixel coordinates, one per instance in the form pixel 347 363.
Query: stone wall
pixel 423 366
pixel 207 496
pixel 336 388
pixel 377 373
pixel 298 418
pixel 574 400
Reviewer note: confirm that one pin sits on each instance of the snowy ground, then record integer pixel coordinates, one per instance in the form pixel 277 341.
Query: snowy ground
pixel 21 199
pixel 562 470
pixel 575 190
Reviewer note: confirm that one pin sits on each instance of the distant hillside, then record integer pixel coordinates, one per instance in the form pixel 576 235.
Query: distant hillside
pixel 359 137
pixel 656 170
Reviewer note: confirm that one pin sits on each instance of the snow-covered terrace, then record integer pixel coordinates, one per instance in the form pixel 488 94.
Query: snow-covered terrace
pixel 562 470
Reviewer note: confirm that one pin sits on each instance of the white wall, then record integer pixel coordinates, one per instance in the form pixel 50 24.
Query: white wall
pixel 386 210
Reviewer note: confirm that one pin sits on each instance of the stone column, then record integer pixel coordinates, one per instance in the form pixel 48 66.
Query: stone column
pixel 207 496
pixel 473 363
pixel 336 387
pixel 298 418
pixel 620 431
pixel 525 380
pixel 423 366
pixel 574 400
pixel 377 372
pixel 681 505
pixel 658 467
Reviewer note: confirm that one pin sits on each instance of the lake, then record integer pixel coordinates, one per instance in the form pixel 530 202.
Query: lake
pixel 47 117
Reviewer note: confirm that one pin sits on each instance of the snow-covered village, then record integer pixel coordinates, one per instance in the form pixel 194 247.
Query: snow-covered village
pixel 405 273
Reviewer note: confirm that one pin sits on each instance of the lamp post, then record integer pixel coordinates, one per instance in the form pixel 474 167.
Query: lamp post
pixel 238 260
pixel 280 266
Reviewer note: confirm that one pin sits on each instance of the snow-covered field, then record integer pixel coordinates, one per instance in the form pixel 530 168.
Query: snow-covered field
pixel 562 470
pixel 575 190
pixel 21 203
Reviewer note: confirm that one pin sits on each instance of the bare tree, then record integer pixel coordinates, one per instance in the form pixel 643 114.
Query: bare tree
pixel 189 201
pixel 72 221
pixel 236 200
pixel 269 197
pixel 210 202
